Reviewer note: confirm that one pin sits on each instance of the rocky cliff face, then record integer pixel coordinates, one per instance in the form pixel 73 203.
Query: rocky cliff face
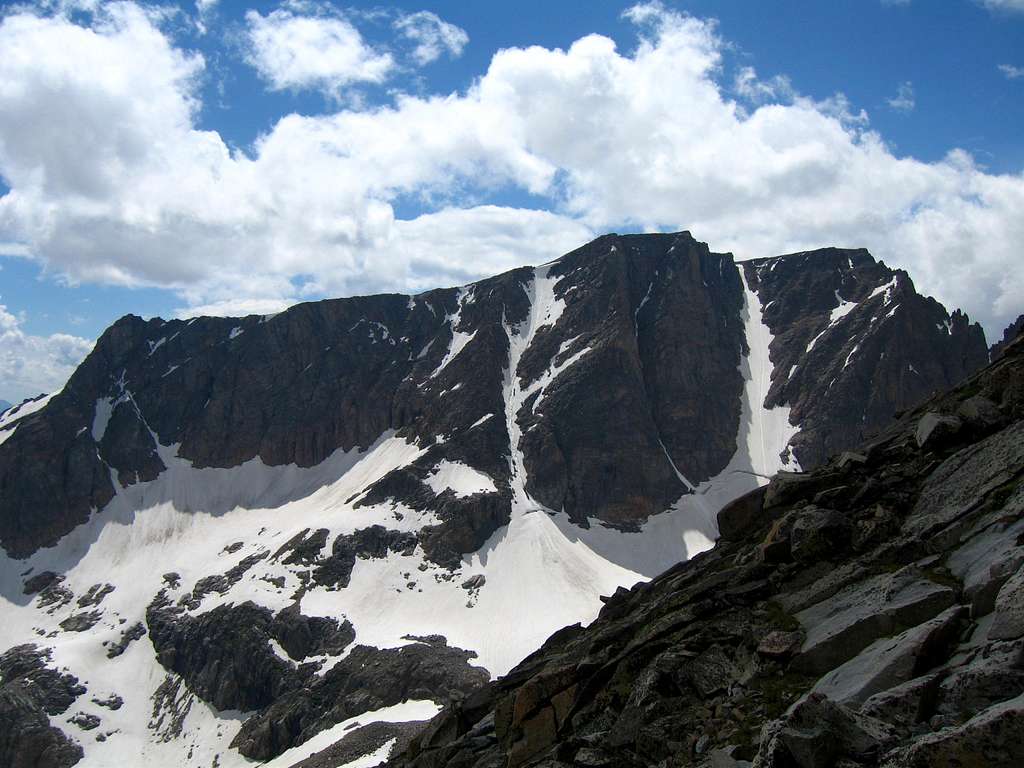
pixel 350 512
pixel 650 325
pixel 868 613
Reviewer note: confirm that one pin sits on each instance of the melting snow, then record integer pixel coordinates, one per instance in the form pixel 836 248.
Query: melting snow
pixel 235 332
pixel 459 338
pixel 460 478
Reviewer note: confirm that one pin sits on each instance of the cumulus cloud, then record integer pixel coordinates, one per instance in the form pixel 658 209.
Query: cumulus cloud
pixel 31 365
pixel 655 137
pixel 321 51
pixel 1011 72
pixel 432 36
pixel 1009 6
pixel 903 101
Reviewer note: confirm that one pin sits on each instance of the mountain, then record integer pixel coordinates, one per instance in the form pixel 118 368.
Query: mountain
pixel 231 539
pixel 868 613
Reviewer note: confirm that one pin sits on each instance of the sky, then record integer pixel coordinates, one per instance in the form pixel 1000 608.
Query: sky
pixel 233 157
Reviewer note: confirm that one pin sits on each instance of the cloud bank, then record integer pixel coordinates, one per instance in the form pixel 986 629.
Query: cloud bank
pixel 660 136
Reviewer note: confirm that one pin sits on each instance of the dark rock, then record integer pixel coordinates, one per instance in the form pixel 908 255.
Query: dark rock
pixel 474 582
pixel 111 702
pixel 303 636
pixel 819 534
pixel 934 429
pixel 979 412
pixel 1010 334
pixel 80 622
pixel 737 518
pixel 31 692
pixel 839 627
pixel 365 680
pixel 95 595
pixel 224 654
pixel 128 636
pixel 363 741
pixel 1009 609
pixel 892 661
pixel 84 721
pixel 780 645
pixel 41 581
pixel 858 371
pixel 989 738
pixel 374 542
pixel 816 733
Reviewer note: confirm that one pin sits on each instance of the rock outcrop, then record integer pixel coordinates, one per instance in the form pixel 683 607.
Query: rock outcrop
pixel 899 643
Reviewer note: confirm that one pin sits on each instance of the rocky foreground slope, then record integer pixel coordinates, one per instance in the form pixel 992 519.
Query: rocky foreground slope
pixel 869 613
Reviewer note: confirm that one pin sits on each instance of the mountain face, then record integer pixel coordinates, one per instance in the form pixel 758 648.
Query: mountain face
pixel 279 524
pixel 870 613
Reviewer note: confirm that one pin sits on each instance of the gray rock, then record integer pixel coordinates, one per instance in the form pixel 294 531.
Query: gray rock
pixel 780 645
pixel 850 458
pixel 816 732
pixel 839 627
pixel 986 560
pixel 1009 609
pixel 80 622
pixel 992 738
pixel 819 534
pixel 474 582
pixel 904 705
pixel 979 412
pixel 934 428
pixel 955 488
pixel 893 660
pixel 84 721
pixel 989 673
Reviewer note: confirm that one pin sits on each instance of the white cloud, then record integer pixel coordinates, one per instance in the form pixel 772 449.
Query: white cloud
pixel 1009 6
pixel 903 101
pixel 137 194
pixel 432 35
pixel 31 365
pixel 319 51
pixel 1011 72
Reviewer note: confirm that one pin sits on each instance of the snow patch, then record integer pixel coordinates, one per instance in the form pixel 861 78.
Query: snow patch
pixel 460 478
pixel 104 410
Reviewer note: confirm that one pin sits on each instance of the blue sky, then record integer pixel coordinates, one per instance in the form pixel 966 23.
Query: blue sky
pixel 227 157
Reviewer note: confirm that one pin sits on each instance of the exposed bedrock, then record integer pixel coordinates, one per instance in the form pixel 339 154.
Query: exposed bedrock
pixel 31 692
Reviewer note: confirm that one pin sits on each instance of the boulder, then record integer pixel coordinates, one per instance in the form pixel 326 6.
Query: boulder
pixel 816 732
pixel 904 705
pixel 993 738
pixel 1009 609
pixel 737 517
pixel 934 429
pixel 819 534
pixel 893 660
pixel 839 627
pixel 979 412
